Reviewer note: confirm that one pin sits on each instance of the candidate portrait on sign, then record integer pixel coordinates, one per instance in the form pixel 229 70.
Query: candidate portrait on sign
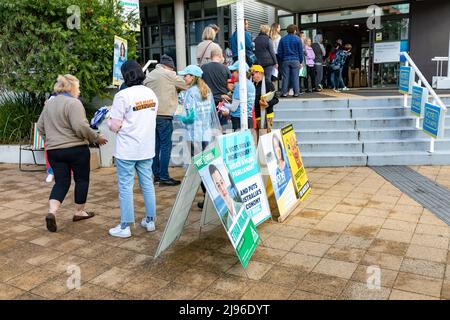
pixel 283 174
pixel 225 196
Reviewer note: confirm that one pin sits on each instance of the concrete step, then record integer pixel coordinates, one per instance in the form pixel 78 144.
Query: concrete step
pixel 334 159
pixel 440 158
pixel 300 103
pixel 317 123
pixel 375 102
pixel 380 112
pixel 338 146
pixel 398 158
pixel 396 145
pixel 400 133
pixel 287 114
pixel 321 135
pixel 394 122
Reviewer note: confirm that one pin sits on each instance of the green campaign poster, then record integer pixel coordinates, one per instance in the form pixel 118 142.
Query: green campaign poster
pixel 228 203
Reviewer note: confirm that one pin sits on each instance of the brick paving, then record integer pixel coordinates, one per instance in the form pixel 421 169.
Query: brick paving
pixel 353 220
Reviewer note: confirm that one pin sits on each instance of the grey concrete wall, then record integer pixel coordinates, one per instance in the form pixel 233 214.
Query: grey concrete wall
pixel 429 33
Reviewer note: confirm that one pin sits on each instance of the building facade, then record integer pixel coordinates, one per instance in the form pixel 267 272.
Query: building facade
pixel 420 27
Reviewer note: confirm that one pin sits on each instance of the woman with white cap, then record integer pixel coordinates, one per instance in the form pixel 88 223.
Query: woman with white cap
pixel 199 114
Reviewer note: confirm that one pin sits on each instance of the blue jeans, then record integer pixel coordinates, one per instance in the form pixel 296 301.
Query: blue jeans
pixel 336 79
pixel 163 148
pixel 125 175
pixel 290 71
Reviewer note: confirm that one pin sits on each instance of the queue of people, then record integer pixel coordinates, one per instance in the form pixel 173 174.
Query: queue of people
pixel 142 115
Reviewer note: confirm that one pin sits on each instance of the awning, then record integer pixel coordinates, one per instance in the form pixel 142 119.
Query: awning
pixel 318 5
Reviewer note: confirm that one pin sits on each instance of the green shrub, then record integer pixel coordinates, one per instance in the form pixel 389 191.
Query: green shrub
pixel 36 45
pixel 18 112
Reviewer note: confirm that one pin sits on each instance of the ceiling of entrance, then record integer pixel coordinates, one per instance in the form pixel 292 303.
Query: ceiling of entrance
pixel 317 5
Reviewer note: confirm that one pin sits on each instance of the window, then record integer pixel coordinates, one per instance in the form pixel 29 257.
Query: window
pixel 195 10
pixel 210 8
pixel 308 18
pixel 152 14
pixel 168 35
pixel 285 21
pixel 167 15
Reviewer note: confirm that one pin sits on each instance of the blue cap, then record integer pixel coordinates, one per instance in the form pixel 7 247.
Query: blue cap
pixel 235 66
pixel 192 70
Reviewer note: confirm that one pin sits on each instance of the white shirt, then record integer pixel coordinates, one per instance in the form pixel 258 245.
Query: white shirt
pixel 136 107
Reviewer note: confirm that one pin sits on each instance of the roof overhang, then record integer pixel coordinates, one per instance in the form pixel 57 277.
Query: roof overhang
pixel 320 5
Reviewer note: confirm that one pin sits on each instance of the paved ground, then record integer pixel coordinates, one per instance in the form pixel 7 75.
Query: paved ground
pixel 352 220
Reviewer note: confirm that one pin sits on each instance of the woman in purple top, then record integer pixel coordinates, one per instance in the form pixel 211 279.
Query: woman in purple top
pixel 310 66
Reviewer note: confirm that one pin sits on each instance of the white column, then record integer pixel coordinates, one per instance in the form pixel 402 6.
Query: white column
pixel 241 57
pixel 180 34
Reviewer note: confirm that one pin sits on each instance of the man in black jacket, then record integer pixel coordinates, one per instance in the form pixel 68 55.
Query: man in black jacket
pixel 261 102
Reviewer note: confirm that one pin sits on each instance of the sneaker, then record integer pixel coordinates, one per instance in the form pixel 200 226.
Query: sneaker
pixel 284 95
pixel 169 182
pixel 336 90
pixel 200 204
pixel 150 226
pixel 156 179
pixel 49 178
pixel 345 89
pixel 320 86
pixel 119 232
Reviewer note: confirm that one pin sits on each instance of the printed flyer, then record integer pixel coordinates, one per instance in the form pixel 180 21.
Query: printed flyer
pixel 228 203
pixel 301 183
pixel 239 155
pixel 279 170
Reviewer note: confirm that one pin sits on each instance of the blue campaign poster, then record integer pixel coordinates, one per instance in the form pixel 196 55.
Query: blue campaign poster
pixel 120 56
pixel 432 120
pixel 239 155
pixel 418 99
pixel 405 79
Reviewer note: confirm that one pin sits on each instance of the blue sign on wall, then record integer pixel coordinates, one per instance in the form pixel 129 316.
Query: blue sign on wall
pixel 406 79
pixel 432 120
pixel 418 99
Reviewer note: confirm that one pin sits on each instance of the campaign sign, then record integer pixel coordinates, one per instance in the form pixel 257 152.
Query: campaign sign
pixel 418 99
pixel 301 182
pixel 228 203
pixel 433 120
pixel 406 79
pixel 239 155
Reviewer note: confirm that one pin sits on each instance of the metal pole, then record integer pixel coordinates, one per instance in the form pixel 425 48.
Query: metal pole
pixel 405 96
pixel 448 63
pixel 241 57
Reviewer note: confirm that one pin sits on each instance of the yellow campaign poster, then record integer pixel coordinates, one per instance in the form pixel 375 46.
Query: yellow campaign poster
pixel 301 183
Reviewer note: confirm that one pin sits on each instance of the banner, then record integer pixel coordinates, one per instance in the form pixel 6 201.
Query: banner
pixel 279 170
pixel 433 120
pixel 239 155
pixel 301 183
pixel 228 203
pixel 406 79
pixel 120 56
pixel 418 99
pixel 130 7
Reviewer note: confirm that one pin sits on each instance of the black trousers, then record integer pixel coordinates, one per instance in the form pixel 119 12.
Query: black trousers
pixel 236 123
pixel 63 161
pixel 310 78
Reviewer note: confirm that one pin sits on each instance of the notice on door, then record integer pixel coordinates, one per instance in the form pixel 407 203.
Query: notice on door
pixel 385 52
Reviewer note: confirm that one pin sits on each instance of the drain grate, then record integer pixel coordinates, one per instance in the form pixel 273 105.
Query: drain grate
pixel 425 191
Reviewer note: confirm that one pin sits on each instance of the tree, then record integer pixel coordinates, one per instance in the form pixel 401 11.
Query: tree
pixel 37 43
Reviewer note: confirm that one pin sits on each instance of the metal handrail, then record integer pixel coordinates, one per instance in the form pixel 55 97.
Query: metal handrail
pixel 424 81
pixel 431 91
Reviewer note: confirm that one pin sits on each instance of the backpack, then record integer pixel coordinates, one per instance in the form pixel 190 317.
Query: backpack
pixel 338 60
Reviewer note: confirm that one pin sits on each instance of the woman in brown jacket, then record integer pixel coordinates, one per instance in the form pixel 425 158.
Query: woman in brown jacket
pixel 67 135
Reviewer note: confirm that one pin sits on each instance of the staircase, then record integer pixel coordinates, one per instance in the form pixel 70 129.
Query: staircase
pixel 360 132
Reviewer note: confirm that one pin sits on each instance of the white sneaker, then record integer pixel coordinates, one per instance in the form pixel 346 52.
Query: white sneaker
pixel 150 226
pixel 49 178
pixel 345 89
pixel 119 232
